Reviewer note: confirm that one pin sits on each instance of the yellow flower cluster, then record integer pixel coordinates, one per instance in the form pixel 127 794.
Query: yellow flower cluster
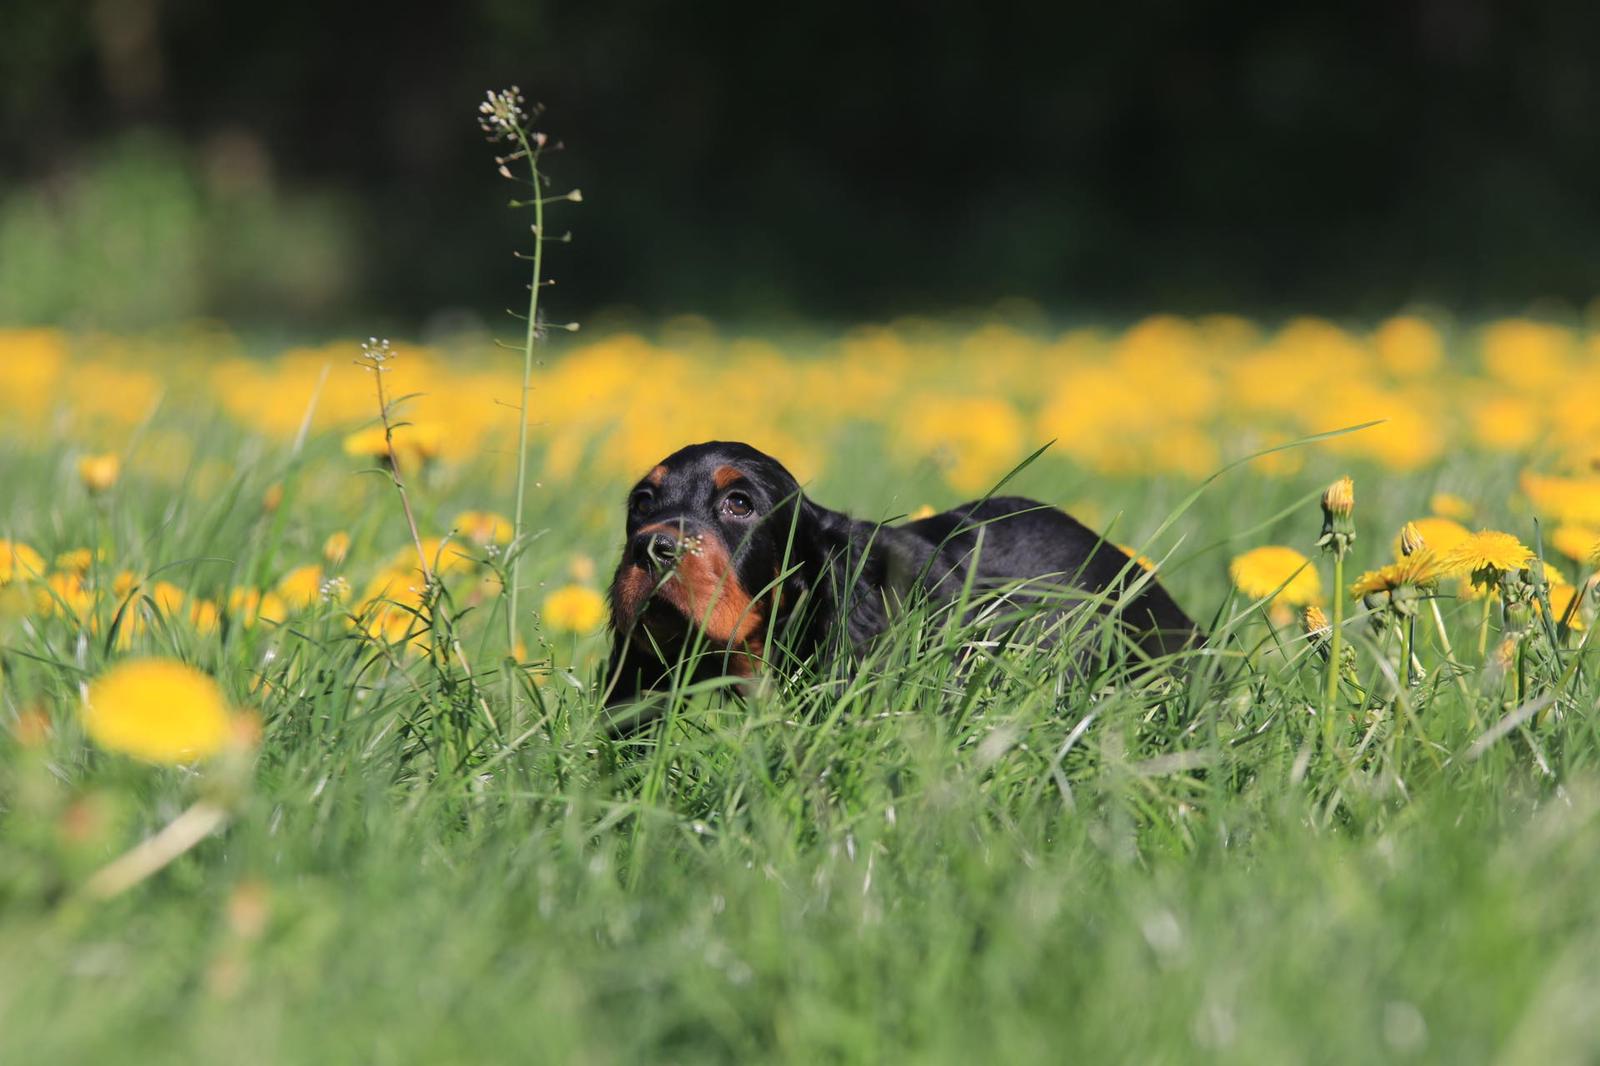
pixel 1165 396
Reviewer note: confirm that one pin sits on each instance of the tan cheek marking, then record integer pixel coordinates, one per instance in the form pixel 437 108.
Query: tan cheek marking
pixel 707 590
pixel 656 476
pixel 631 593
pixel 724 476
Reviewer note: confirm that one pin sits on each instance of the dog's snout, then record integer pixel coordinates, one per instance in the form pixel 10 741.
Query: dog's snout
pixel 655 550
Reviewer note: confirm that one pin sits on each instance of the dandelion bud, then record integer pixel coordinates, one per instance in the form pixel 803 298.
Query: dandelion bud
pixel 1338 527
pixel 1315 624
pixel 1411 539
pixel 1340 497
pixel 1518 616
pixel 99 472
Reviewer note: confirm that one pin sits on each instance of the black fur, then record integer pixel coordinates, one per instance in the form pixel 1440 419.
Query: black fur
pixel 844 577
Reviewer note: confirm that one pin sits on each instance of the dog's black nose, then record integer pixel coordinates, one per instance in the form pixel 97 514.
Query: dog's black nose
pixel 655 550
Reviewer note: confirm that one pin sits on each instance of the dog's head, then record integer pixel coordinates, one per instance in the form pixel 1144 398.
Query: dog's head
pixel 711 531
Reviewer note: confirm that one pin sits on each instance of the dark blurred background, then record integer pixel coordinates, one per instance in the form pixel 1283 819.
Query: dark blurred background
pixel 320 164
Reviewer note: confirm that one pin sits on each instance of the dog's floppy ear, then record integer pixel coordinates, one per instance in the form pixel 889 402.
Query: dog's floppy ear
pixel 815 538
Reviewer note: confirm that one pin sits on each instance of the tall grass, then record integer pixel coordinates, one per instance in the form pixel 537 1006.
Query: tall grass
pixel 935 858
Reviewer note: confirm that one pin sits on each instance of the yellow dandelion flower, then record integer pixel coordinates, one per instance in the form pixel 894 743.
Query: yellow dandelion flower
pixel 1260 572
pixel 18 562
pixel 1420 570
pixel 484 528
pixel 1485 551
pixel 581 567
pixel 77 561
pixel 1568 499
pixel 574 609
pixel 99 472
pixel 157 710
pixel 1438 534
pixel 1315 622
pixel 414 444
pixel 1579 543
pixel 336 547
pixel 64 593
pixel 167 597
pixel 1449 505
pixel 444 557
pixel 301 587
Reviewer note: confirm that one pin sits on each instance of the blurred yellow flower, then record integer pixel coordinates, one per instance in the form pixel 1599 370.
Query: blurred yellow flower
pixel 248 606
pixel 414 443
pixel 925 511
pixel 1567 499
pixel 1561 602
pixel 444 557
pixel 581 568
pixel 1409 346
pixel 18 562
pixel 301 587
pixel 484 528
pixel 157 710
pixel 1526 354
pixel 99 472
pixel 574 609
pixel 1449 505
pixel 1576 542
pixel 204 615
pixel 1260 572
pixel 76 561
pixel 64 593
pixel 336 547
pixel 167 597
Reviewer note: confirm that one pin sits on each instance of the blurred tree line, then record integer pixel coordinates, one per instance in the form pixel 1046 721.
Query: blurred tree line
pixel 318 162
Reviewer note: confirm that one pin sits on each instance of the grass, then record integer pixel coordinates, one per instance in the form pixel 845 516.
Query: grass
pixel 913 864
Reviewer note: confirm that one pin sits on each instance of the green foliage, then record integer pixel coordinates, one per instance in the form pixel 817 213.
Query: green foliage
pixel 926 862
pixel 148 234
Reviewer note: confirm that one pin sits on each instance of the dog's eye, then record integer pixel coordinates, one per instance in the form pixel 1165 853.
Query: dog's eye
pixel 640 501
pixel 737 504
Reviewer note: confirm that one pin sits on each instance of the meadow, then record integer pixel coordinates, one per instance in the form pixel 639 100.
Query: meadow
pixel 282 779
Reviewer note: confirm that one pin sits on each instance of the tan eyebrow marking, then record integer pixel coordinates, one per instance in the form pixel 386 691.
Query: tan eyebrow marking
pixel 657 476
pixel 724 476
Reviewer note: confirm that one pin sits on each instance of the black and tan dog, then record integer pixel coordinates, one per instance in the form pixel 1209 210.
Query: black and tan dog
pixel 725 553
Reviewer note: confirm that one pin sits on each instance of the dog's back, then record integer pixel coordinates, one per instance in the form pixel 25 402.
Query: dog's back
pixel 1043 553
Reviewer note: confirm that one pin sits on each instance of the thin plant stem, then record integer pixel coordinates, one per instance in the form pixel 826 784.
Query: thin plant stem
pixel 153 854
pixel 530 337
pixel 1406 633
pixel 1335 645
pixel 416 536
pixel 1483 626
